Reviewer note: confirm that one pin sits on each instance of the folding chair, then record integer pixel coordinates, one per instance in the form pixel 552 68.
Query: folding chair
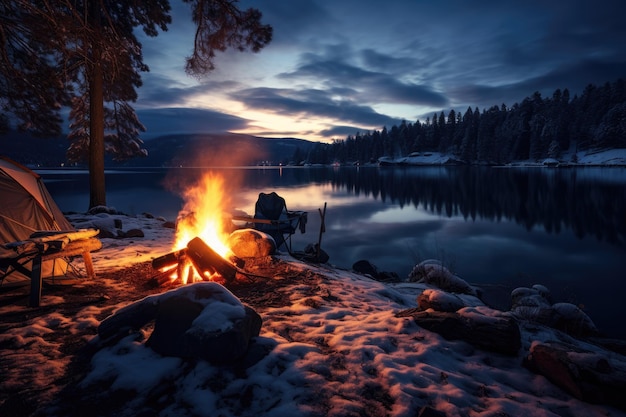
pixel 272 217
pixel 46 246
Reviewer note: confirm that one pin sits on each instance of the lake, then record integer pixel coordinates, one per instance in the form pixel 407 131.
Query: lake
pixel 497 227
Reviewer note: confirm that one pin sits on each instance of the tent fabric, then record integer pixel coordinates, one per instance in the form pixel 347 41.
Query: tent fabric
pixel 26 206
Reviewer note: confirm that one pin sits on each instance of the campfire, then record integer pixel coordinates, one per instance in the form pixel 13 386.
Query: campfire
pixel 200 252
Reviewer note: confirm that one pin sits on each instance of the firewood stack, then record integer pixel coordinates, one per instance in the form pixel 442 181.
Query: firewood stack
pixel 196 257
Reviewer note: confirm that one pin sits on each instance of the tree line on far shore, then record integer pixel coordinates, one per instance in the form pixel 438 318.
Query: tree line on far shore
pixel 535 129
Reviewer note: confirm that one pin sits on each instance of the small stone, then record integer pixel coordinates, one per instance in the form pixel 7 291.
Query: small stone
pixel 365 267
pixel 169 224
pixel 134 233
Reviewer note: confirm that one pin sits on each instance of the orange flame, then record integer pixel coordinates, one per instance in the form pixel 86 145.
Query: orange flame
pixel 202 215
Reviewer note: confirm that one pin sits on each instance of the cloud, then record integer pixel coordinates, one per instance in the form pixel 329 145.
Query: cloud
pixel 184 120
pixel 343 131
pixel 293 21
pixel 574 78
pixel 368 86
pixel 379 61
pixel 164 91
pixel 310 103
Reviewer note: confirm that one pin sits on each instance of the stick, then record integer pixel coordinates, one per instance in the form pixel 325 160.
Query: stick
pixel 322 230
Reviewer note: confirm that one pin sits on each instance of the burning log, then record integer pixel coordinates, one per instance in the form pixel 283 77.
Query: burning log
pixel 207 261
pixel 163 278
pixel 169 260
pixel 196 257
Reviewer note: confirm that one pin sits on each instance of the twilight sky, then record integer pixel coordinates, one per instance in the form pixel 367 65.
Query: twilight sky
pixel 336 67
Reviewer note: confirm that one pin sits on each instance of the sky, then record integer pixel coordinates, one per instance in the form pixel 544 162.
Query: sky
pixel 335 68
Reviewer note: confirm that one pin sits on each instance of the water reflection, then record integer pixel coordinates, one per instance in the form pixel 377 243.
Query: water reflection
pixel 589 201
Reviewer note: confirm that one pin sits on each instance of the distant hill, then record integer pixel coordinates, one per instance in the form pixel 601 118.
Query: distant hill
pixel 33 151
pixel 210 149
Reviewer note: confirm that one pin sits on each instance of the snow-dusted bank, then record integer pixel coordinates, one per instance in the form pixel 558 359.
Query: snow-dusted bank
pixel 612 157
pixel 338 344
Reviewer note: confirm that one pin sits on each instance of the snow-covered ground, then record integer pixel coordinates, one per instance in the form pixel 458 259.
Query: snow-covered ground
pixel 612 157
pixel 336 351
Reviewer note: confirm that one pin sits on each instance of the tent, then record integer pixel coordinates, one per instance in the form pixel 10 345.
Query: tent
pixel 26 207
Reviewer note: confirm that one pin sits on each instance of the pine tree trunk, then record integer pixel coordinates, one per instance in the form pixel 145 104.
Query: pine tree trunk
pixel 97 190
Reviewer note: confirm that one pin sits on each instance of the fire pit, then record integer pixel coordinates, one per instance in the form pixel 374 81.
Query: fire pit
pixel 196 262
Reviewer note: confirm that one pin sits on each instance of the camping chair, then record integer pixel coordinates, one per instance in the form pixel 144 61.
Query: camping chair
pixel 272 217
pixel 47 246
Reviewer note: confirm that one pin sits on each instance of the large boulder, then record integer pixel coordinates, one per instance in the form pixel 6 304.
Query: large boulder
pixel 197 321
pixel 593 376
pixel 251 243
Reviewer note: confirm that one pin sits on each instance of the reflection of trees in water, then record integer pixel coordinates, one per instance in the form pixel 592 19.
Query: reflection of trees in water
pixel 589 201
pixel 552 198
pixel 586 200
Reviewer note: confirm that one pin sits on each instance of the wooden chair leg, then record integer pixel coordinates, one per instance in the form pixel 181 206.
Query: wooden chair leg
pixel 91 272
pixel 35 282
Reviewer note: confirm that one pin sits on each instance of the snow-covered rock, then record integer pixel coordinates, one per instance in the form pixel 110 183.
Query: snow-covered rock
pixel 197 321
pixel 432 272
pixel 533 304
pixel 440 300
pixel 529 297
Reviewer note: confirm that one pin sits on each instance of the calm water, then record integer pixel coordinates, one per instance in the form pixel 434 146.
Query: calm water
pixel 500 227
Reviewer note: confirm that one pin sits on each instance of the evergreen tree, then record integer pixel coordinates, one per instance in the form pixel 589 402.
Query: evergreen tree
pixel 79 129
pixel 32 88
pixel 123 138
pixel 611 132
pixel 521 139
pixel 428 138
pixel 486 146
pixel 554 151
pixel 447 138
pixel 418 135
pixel 537 128
pixel 377 146
pixel 471 120
pixel 48 48
pixel 459 132
pixel 298 156
pixel 387 145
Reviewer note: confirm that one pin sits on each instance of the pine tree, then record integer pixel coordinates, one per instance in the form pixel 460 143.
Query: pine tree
pixel 49 48
pixel 449 132
pixel 611 132
pixel 31 88
pixel 79 129
pixel 471 120
pixel 386 141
